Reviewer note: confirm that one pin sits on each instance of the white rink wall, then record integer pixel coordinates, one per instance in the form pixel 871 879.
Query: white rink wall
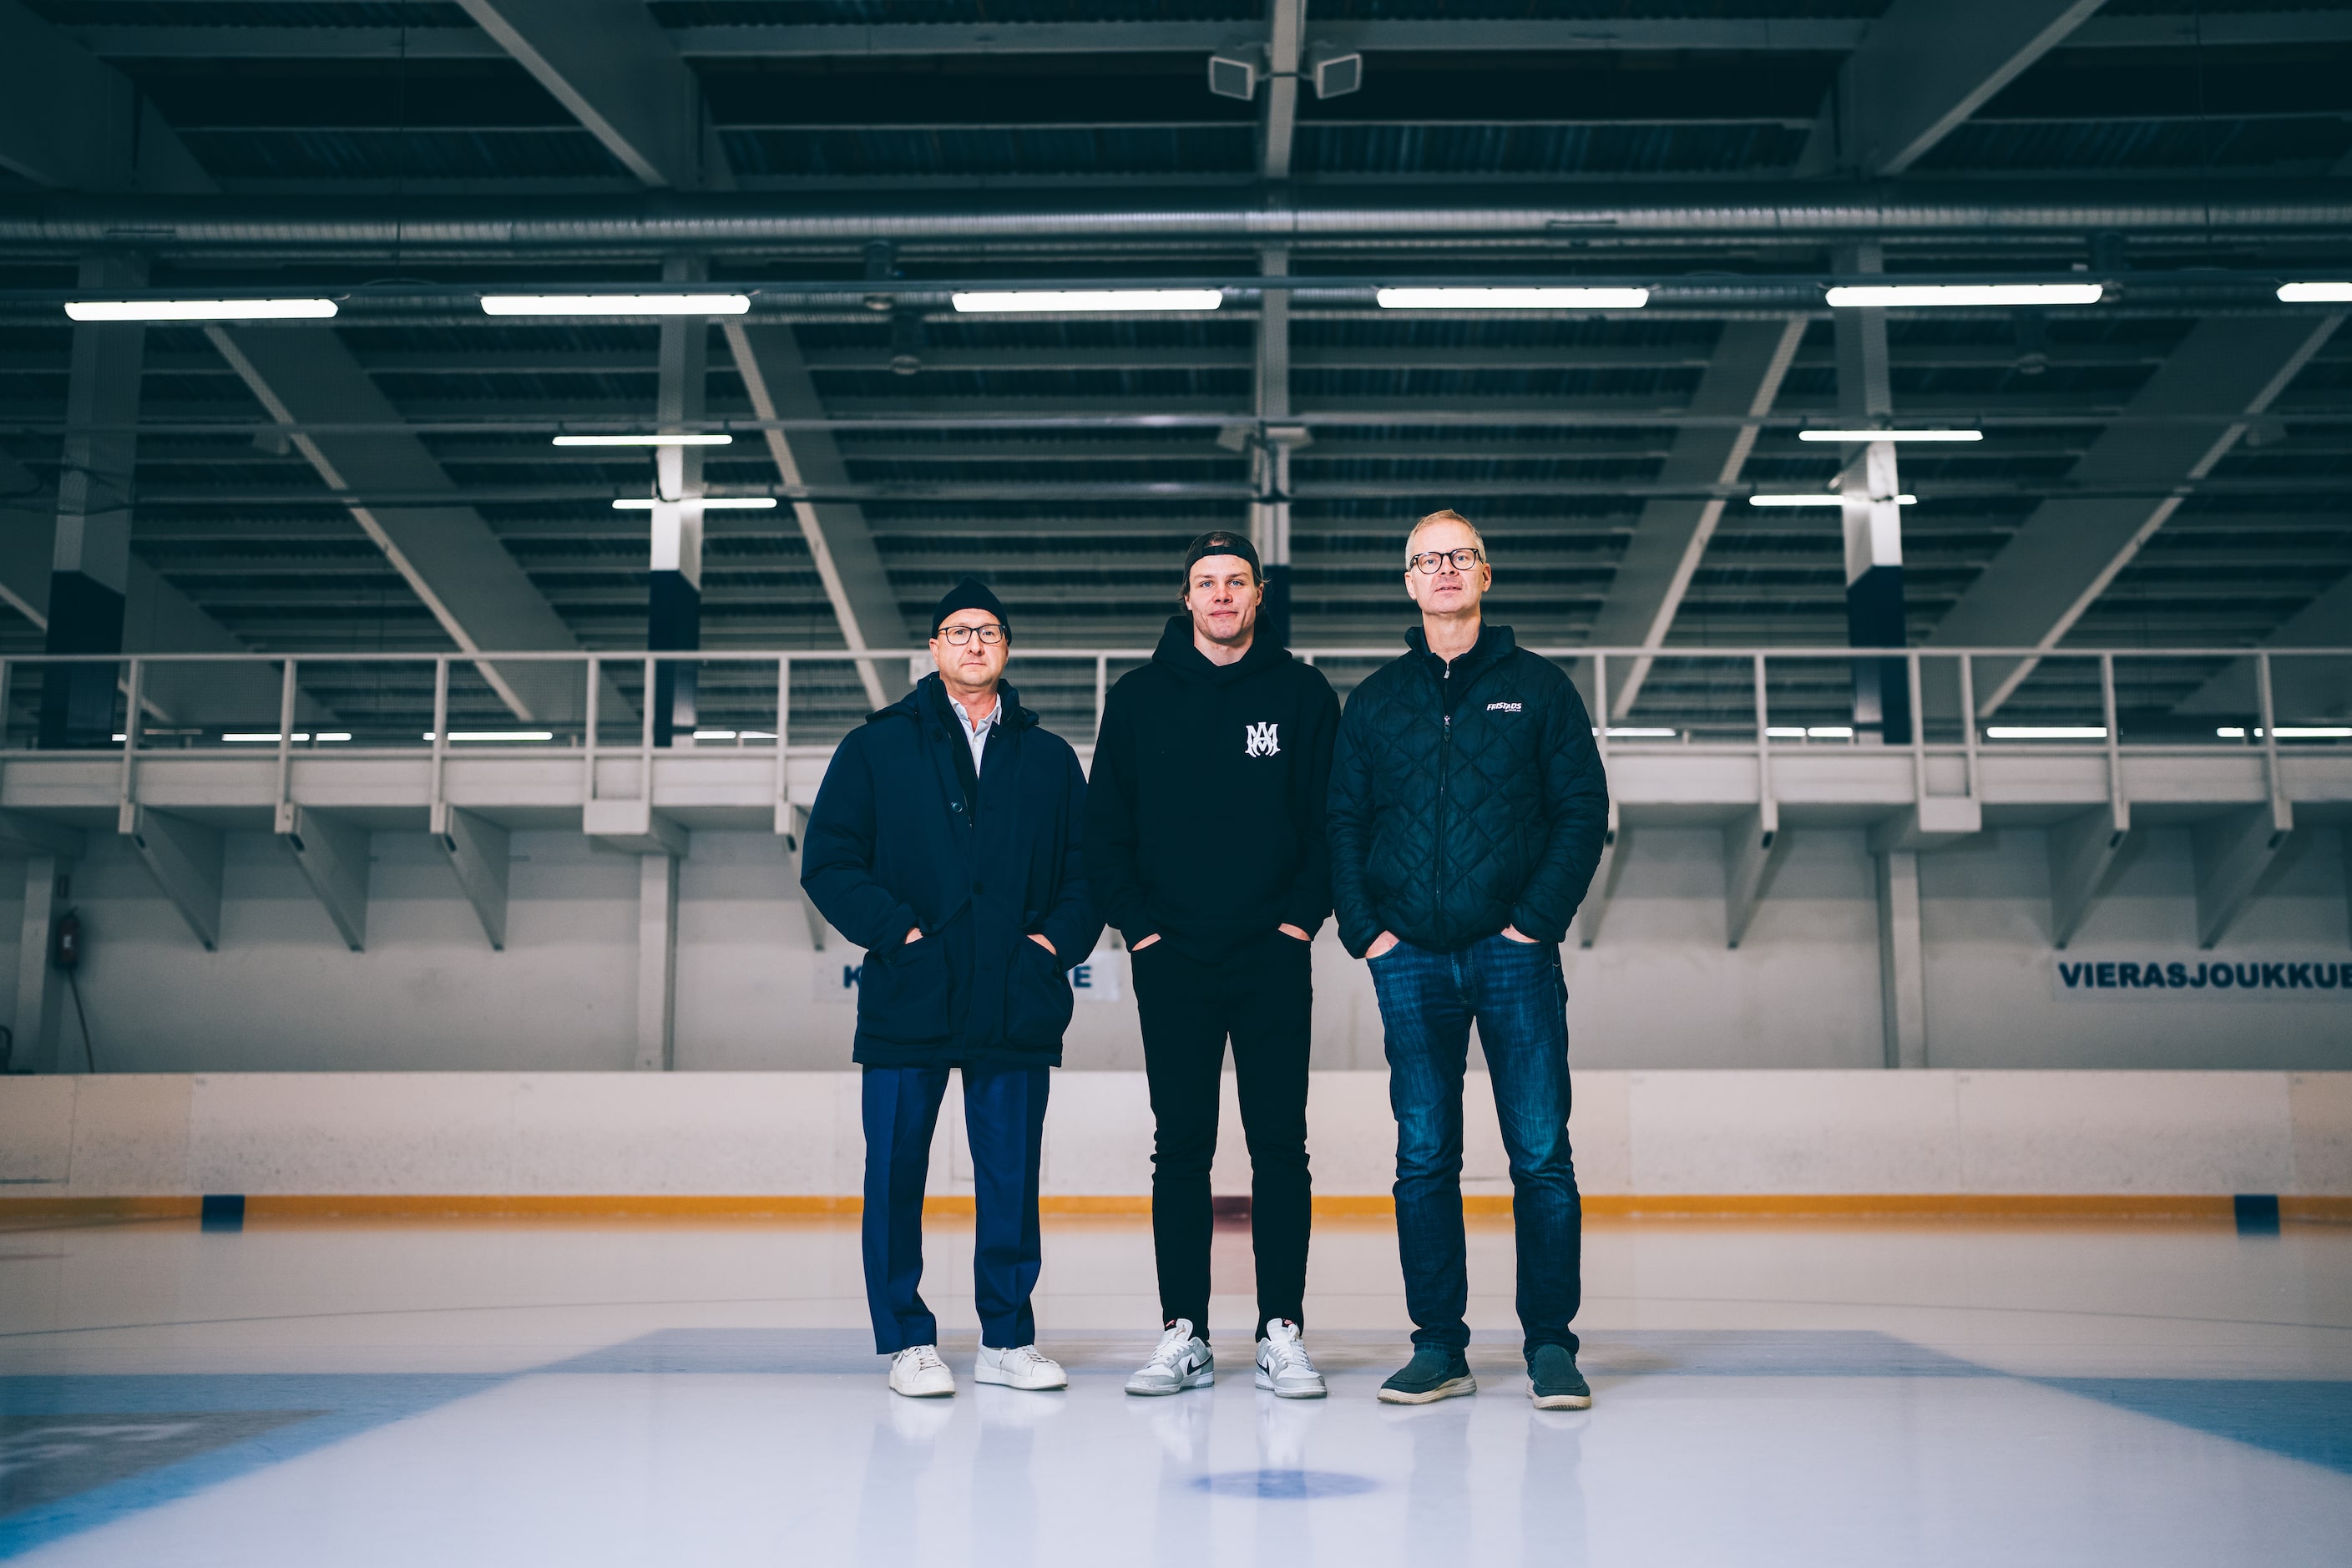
pixel 761 1134
pixel 1660 991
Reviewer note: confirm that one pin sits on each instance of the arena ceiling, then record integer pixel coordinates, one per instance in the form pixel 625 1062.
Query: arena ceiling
pixel 2170 465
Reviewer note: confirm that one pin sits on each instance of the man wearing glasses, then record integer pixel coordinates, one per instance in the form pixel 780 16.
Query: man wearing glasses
pixel 1467 811
pixel 1206 847
pixel 945 842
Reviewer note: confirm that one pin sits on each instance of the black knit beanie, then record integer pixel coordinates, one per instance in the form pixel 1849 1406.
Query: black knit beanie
pixel 972 594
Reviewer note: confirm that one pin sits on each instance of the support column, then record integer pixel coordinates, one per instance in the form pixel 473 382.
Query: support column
pixel 1874 534
pixel 656 962
pixel 1270 451
pixel 90 570
pixel 40 989
pixel 673 587
pixel 1902 965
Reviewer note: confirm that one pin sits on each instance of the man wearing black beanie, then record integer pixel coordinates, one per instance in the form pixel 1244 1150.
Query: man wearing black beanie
pixel 1206 847
pixel 945 842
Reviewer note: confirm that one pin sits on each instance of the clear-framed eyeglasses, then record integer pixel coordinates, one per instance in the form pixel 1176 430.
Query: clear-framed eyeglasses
pixel 1431 562
pixel 956 637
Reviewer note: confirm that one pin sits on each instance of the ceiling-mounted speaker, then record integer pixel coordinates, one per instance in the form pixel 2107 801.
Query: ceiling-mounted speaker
pixel 1234 73
pixel 1336 71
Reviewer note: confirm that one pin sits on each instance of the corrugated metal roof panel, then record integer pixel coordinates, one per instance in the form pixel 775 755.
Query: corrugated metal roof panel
pixel 1594 149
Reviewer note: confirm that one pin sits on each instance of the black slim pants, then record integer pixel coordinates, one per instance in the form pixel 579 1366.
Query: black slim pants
pixel 1262 999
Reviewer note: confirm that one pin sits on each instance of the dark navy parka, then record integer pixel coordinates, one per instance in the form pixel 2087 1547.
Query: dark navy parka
pixel 893 846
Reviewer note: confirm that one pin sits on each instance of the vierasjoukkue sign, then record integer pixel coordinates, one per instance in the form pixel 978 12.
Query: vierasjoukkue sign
pixel 2312 980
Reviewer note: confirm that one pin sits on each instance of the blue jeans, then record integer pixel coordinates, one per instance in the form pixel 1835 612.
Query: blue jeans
pixel 1004 1120
pixel 1515 993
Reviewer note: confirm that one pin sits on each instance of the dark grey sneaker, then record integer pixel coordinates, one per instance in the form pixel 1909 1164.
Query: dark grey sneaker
pixel 1433 1373
pixel 1555 1382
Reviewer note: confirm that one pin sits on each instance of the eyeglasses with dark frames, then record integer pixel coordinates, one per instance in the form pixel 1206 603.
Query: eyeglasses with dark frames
pixel 1431 562
pixel 990 635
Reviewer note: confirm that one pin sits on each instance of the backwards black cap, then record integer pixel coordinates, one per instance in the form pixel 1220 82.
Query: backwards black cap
pixel 972 594
pixel 1217 541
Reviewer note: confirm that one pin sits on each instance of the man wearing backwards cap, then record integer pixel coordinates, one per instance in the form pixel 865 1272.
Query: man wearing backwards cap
pixel 1205 848
pixel 945 842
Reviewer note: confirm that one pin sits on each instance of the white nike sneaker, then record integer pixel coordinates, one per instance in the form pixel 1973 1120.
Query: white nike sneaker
pixel 1282 1366
pixel 1181 1361
pixel 1019 1367
pixel 918 1372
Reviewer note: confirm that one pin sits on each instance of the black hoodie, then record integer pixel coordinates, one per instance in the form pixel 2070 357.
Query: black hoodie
pixel 1204 813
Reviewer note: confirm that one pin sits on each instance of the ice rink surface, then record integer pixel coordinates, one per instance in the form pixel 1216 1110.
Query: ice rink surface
pixel 2141 1393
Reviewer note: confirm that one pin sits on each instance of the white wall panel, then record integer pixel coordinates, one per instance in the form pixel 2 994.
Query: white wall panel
pixel 1660 990
pixel 750 1134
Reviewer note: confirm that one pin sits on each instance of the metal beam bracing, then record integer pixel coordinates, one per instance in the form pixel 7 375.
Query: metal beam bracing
pixel 1753 848
pixel 184 856
pixel 1580 35
pixel 157 617
pixel 447 554
pixel 2303 689
pixel 614 69
pixel 2083 850
pixel 516 226
pixel 1271 447
pixel 2069 549
pixel 477 851
pixel 776 379
pixel 2231 853
pixel 1661 557
pixel 674 576
pixel 1285 42
pixel 332 852
pixel 1916 78
pixel 69 119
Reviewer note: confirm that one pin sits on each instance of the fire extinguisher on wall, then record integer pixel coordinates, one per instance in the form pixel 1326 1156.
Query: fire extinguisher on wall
pixel 64 952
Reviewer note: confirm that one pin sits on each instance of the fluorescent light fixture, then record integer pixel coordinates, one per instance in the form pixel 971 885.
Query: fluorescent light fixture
pixel 2046 732
pixel 1512 299
pixel 714 735
pixel 2232 734
pixel 1617 733
pixel 2314 293
pixel 616 304
pixel 708 503
pixel 2313 732
pixel 498 734
pixel 1812 732
pixel 1858 435
pixel 1915 296
pixel 1825 499
pixel 198 310
pixel 1036 299
pixel 658 440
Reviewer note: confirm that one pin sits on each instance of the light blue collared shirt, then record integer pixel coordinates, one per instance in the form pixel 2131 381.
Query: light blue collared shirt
pixel 976 735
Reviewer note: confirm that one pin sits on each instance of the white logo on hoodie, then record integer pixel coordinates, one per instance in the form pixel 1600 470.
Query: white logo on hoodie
pixel 1258 741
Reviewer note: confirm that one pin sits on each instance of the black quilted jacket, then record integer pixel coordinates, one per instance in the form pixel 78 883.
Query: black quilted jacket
pixel 1463 801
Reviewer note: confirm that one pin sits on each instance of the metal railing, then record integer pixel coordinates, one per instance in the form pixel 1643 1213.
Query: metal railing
pixel 1764 701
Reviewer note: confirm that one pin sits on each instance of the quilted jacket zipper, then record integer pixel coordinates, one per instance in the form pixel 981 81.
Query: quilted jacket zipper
pixel 1445 760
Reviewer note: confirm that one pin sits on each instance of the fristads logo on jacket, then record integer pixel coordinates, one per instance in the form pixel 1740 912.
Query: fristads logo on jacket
pixel 1258 740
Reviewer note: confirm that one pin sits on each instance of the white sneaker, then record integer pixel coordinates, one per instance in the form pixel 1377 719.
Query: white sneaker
pixel 918 1372
pixel 1283 1365
pixel 1019 1367
pixel 1181 1361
